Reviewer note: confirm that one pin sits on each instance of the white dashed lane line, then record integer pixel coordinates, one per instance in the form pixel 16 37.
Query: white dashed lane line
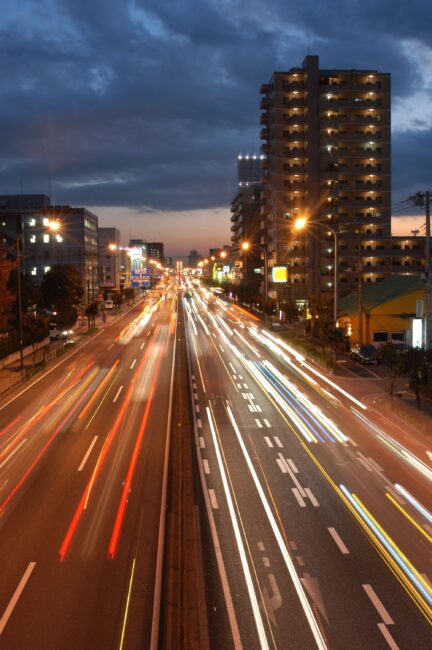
pixel 278 442
pixel 258 423
pixel 267 423
pixel 340 544
pixel 385 616
pixel 206 466
pixel 213 500
pixel 388 637
pixel 312 498
pixel 292 465
pixel 268 441
pixel 298 497
pixel 199 423
pixel 133 363
pixel 202 442
pixel 117 394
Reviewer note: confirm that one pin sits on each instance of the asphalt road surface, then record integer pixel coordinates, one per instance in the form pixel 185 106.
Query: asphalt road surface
pixel 320 514
pixel 81 466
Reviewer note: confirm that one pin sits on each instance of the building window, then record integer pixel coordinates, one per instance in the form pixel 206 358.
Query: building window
pixel 46 239
pixel 34 270
pixel 31 222
pixel 32 239
pixel 45 221
pixel 59 238
pixel 46 269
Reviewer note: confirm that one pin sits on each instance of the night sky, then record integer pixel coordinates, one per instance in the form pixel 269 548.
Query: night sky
pixel 138 109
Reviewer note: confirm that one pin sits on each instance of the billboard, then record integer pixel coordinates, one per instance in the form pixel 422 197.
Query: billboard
pixel 136 277
pixel 280 274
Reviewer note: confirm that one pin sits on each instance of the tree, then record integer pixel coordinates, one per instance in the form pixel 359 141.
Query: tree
pixel 321 311
pixel 292 314
pixel 411 363
pixel 30 294
pixel 390 356
pixel 6 295
pixel 91 312
pixel 35 330
pixel 61 289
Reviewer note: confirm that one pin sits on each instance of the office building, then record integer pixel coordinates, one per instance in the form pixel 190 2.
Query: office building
pixel 109 259
pixel 27 217
pixel 327 144
pixel 156 252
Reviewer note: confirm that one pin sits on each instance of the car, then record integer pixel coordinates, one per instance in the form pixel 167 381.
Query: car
pixel 364 354
pixel 109 304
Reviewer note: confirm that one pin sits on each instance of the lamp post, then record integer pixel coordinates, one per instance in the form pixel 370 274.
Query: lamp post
pixel 245 246
pixel 302 223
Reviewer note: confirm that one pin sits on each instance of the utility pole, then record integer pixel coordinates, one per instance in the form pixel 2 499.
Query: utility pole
pixel 424 199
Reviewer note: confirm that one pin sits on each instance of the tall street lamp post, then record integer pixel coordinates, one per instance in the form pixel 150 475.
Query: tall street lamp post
pixel 302 223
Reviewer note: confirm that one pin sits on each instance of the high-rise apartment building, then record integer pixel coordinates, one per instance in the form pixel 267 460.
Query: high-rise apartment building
pixel 327 148
pixel 109 258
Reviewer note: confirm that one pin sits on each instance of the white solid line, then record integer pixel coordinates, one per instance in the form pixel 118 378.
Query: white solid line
pixel 298 497
pixel 312 497
pixel 281 464
pixel 18 591
pixel 261 546
pixel 278 442
pixel 238 538
pixel 7 459
pixel 258 423
pixel 292 465
pixel 343 549
pixel 112 345
pixel 142 345
pixel 388 637
pixel 117 394
pixel 268 441
pixel 199 423
pixel 206 466
pixel 202 442
pixel 213 500
pixel 387 619
pixel 84 460
pixel 133 363
pixel 267 423
pixel 232 367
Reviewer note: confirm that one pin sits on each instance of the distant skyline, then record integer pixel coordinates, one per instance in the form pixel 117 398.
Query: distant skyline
pixel 140 108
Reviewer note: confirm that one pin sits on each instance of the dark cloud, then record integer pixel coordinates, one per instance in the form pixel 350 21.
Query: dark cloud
pixel 146 103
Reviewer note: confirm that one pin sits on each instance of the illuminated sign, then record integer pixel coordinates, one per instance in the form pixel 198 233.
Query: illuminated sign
pixel 417 333
pixel 279 274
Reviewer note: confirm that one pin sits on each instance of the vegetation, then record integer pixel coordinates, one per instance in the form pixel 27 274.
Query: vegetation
pixel 6 295
pixel 61 290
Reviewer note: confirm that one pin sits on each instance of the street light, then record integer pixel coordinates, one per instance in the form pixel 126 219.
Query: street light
pixel 300 224
pixel 245 246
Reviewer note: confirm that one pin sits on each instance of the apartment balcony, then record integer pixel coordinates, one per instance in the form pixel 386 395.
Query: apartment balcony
pixel 295 136
pixel 264 134
pixel 297 102
pixel 294 119
pixel 264 103
pixel 265 149
pixel 264 118
pixel 264 89
pixel 358 137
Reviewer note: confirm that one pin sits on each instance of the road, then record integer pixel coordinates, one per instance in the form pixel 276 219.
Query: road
pixel 320 514
pixel 82 454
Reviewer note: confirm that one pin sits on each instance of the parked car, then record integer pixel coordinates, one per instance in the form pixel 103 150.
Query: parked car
pixel 109 304
pixel 364 354
pixel 55 334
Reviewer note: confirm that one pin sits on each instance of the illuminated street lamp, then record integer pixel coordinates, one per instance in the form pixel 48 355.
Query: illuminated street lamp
pixel 300 224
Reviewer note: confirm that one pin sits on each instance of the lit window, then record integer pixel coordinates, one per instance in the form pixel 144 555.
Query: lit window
pixel 45 221
pixel 59 238
pixel 46 269
pixel 32 239
pixel 46 239
pixel 31 222
pixel 34 270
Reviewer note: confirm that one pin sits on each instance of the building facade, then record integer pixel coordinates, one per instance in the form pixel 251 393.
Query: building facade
pixel 27 217
pixel 109 258
pixel 328 157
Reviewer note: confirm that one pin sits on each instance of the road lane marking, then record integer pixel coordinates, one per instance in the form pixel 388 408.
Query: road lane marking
pixel 268 441
pixel 199 423
pixel 222 350
pixel 202 442
pixel 299 487
pixel 244 395
pixel 13 452
pixel 18 591
pixel 364 463
pixel 117 394
pixel 89 450
pixel 278 442
pixel 197 408
pixel 245 386
pixel 259 623
pixel 258 408
pixel 232 367
pixel 375 465
pixel 266 561
pixel 292 465
pixel 142 345
pixel 312 498
pixel 133 363
pixel 206 466
pixel 387 619
pixel 213 500
pixel 300 560
pixel 195 395
pixel 251 408
pixel 127 605
pixel 258 423
pixel 341 546
pixel 388 637
pixel 112 345
pixel 261 546
pixel 267 423
pixel 281 464
pixel 300 501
